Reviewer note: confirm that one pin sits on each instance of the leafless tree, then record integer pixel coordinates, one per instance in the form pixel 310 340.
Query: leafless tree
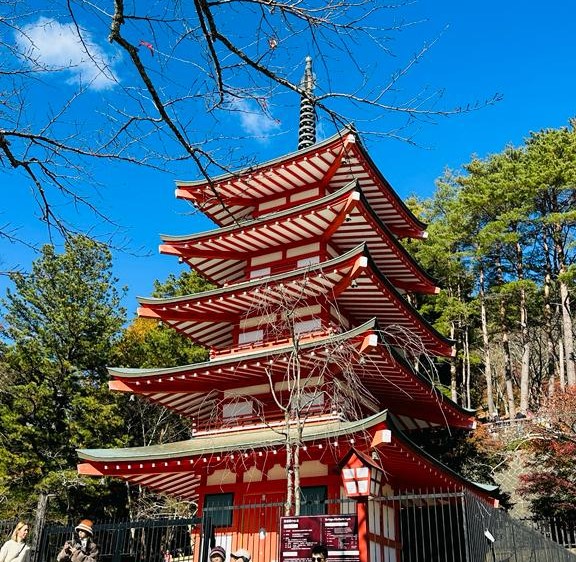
pixel 163 89
pixel 310 382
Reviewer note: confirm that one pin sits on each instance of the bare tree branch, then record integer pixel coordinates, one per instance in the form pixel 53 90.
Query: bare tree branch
pixel 163 89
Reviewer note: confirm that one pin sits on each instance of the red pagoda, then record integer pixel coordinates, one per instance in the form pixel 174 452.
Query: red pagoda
pixel 315 351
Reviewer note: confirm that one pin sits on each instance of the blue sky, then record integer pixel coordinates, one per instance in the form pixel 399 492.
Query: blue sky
pixel 522 50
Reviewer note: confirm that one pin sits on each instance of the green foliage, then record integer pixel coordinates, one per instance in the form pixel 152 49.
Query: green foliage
pixel 501 245
pixel 59 327
pixel 187 283
pixel 145 344
pixel 148 344
pixel 474 455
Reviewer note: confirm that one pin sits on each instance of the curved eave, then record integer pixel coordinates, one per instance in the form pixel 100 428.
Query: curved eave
pixel 254 439
pixel 248 355
pixel 410 395
pixel 344 218
pixel 190 390
pixel 410 226
pixel 413 467
pixel 232 198
pixel 176 468
pixel 384 373
pixel 352 280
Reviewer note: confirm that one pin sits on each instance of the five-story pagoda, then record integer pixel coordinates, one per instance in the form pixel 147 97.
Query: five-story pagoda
pixel 316 354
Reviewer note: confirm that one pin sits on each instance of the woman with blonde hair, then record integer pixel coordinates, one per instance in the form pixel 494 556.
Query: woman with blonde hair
pixel 15 549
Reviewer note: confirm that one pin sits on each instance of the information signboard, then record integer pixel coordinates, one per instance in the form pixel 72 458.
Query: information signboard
pixel 339 533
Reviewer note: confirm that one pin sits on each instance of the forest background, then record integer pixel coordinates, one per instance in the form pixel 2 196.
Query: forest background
pixel 501 246
pixel 501 230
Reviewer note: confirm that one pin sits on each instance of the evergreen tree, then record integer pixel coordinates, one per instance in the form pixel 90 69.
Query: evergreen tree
pixel 59 326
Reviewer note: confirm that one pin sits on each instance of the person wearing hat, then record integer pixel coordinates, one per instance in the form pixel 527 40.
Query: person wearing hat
pixel 217 554
pixel 241 554
pixel 82 548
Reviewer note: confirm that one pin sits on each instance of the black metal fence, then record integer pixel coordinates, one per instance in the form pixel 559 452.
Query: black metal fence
pixel 425 527
pixel 157 540
pixel 496 537
pixel 561 531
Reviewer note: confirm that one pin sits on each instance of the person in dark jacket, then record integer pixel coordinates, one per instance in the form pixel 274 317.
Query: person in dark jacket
pixel 82 548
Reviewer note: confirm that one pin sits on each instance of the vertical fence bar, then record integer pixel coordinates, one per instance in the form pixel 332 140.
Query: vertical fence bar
pixel 426 526
pixel 206 539
pixel 467 552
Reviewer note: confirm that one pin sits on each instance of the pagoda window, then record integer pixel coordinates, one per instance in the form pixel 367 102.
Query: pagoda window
pixel 313 500
pixel 219 508
pixel 307 319
pixel 307 326
pixel 237 409
pixel 311 260
pixel 263 272
pixel 253 336
pixel 253 330
pixel 312 401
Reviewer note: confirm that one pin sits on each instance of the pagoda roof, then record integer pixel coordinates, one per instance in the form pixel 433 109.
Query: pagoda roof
pixel 382 371
pixel 176 468
pixel 351 281
pixel 344 218
pixel 232 198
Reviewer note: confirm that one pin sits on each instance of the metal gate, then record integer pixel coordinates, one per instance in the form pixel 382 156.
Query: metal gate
pixel 158 540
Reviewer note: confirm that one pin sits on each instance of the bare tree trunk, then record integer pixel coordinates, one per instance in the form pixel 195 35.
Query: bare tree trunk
pixel 467 368
pixel 550 351
pixel 525 367
pixel 567 335
pixel 561 363
pixel 492 412
pixel 297 492
pixel 39 520
pixel 289 475
pixel 508 382
pixel 453 368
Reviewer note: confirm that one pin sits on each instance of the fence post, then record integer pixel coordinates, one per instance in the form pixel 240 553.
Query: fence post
pixel 467 551
pixel 40 541
pixel 39 522
pixel 207 538
pixel 117 544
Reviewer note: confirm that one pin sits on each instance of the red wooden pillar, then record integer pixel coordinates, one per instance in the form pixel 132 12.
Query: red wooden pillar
pixel 363 539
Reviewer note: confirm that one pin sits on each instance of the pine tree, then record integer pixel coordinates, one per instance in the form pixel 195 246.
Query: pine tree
pixel 60 323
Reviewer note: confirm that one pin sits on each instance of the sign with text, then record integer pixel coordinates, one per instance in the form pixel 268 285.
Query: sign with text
pixel 339 533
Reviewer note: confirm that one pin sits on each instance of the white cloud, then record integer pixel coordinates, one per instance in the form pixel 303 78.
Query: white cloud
pixel 50 45
pixel 254 120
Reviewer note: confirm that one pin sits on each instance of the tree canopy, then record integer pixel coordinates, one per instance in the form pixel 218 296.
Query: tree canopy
pixel 60 325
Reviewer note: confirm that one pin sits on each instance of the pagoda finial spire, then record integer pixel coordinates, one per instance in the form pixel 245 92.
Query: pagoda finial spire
pixel 307 128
